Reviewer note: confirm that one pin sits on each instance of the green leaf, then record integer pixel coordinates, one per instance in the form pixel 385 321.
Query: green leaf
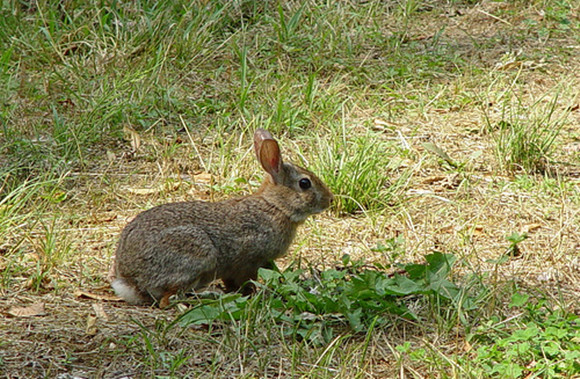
pixel 558 333
pixel 440 263
pixel 516 237
pixel 416 271
pixel 432 148
pixel 311 303
pixel 523 348
pixel 507 370
pixel 401 285
pixel 519 300
pixel 354 319
pixel 525 334
pixel 404 348
pixel 269 276
pixel 227 307
pixel 552 349
pixel 332 275
pixel 443 288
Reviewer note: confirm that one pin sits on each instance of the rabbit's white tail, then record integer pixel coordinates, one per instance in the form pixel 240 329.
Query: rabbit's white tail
pixel 126 292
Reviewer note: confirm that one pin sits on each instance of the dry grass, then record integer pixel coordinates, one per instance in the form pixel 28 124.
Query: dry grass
pixel 467 211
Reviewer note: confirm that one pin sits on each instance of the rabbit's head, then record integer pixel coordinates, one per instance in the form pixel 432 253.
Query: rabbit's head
pixel 293 189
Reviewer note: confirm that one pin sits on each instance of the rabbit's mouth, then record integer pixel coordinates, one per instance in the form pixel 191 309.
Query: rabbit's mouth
pixel 301 216
pixel 321 209
pixel 329 199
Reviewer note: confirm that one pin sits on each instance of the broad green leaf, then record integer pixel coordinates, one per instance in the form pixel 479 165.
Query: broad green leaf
pixel 519 300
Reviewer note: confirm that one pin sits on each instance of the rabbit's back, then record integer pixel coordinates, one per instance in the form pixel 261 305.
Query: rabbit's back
pixel 248 224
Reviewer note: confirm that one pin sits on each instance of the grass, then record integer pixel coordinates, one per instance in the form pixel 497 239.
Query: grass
pixel 526 134
pixel 359 171
pixel 445 129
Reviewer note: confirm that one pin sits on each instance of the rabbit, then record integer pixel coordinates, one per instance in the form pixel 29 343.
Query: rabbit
pixel 177 247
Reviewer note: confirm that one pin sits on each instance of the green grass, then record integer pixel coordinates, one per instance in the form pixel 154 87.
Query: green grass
pixel 364 175
pixel 526 133
pixel 442 127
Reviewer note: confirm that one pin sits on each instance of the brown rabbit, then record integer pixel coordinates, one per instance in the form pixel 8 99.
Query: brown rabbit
pixel 182 246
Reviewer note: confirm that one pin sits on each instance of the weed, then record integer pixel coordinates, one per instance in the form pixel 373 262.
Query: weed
pixel 533 342
pixel 154 343
pixel 16 197
pixel 515 239
pixel 538 342
pixel 313 306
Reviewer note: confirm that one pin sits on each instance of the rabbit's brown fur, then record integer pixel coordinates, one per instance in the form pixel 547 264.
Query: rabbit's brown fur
pixel 181 246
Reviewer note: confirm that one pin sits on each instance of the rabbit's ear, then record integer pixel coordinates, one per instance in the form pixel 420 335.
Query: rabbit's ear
pixel 271 160
pixel 259 136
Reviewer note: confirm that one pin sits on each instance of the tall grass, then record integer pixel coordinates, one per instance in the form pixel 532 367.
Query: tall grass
pixel 525 134
pixel 22 204
pixel 361 169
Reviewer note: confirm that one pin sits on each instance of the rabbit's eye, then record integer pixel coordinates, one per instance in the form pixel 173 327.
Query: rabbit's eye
pixel 304 183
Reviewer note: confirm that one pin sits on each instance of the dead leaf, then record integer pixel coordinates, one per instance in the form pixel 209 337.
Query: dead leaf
pixel 446 229
pixel 478 230
pixel 91 328
pixel 451 182
pixel 134 136
pixel 95 296
pixel 384 126
pixel 100 311
pixel 164 187
pixel 203 178
pixel 423 37
pixel 66 102
pixel 181 307
pixel 36 309
pixel 144 191
pixel 433 179
pixel 508 65
pixel 379 122
pixel 531 227
pixel 45 282
pixel 107 218
pixel 111 156
pixel 467 347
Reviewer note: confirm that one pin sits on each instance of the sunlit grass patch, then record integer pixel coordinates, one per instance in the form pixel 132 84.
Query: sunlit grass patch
pixel 525 135
pixel 531 340
pixel 363 170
